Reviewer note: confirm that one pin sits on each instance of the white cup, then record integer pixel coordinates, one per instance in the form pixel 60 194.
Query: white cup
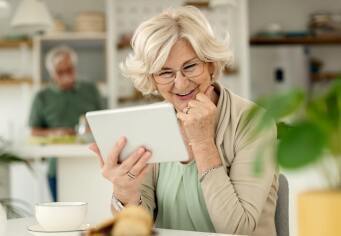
pixel 61 216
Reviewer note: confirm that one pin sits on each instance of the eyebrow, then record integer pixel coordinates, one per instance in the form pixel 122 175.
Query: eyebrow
pixel 168 68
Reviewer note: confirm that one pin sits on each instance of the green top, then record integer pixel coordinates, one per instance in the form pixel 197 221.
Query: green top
pixel 54 108
pixel 180 201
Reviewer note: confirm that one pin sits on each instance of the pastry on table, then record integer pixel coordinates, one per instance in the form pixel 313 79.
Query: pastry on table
pixel 133 220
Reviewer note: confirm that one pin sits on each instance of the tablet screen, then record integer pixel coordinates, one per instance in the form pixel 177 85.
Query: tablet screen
pixel 153 126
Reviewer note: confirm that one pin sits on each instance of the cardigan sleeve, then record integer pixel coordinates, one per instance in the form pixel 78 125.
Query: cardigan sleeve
pixel 148 190
pixel 235 198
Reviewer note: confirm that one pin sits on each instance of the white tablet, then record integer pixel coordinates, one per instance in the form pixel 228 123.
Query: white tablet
pixel 153 126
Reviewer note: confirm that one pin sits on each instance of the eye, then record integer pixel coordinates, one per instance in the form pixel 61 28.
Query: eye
pixel 166 74
pixel 190 67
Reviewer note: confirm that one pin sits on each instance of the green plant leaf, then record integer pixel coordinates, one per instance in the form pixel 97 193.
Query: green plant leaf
pixel 283 104
pixel 302 144
pixel 8 158
pixel 282 129
pixel 275 108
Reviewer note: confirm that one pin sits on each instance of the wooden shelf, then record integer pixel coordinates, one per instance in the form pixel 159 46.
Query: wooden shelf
pixel 198 4
pixel 75 39
pixel 75 36
pixel 325 76
pixel 16 81
pixel 273 41
pixel 14 43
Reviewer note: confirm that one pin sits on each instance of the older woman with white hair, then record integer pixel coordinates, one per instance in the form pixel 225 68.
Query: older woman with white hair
pixel 176 55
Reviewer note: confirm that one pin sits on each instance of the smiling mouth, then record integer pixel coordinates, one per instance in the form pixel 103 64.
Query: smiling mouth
pixel 185 94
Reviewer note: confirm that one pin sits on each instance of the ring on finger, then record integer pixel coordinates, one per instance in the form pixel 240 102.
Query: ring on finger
pixel 131 175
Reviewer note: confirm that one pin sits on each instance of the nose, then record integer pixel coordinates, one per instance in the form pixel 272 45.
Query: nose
pixel 180 81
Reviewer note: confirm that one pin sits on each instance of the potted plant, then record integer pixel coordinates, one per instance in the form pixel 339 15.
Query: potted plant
pixel 312 133
pixel 13 208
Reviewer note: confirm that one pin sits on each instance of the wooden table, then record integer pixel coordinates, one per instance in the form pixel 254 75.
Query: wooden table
pixel 18 227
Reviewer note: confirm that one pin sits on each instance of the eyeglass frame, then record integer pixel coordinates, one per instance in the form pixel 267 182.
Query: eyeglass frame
pixel 175 71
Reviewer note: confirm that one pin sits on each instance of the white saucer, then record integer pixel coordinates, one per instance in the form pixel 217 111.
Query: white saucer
pixel 37 230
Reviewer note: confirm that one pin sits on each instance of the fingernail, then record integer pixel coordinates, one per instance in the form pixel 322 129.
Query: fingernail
pixel 121 140
pixel 90 147
pixel 141 150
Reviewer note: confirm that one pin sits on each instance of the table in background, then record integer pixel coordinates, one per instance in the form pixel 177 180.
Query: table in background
pixel 79 176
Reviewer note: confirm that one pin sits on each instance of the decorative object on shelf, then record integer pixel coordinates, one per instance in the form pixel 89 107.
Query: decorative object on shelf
pixel 325 24
pixel 58 26
pixel 272 30
pixel 90 21
pixel 313 135
pixel 317 74
pixel 5 9
pixel 210 3
pixel 198 3
pixel 32 16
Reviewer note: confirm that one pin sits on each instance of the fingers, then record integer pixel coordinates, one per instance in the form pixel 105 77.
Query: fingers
pixel 143 173
pixel 128 164
pixel 140 164
pixel 94 148
pixel 115 153
pixel 181 116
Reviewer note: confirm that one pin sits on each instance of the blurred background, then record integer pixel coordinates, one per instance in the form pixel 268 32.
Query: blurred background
pixel 278 45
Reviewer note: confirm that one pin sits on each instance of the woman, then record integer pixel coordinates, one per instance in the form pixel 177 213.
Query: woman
pixel 176 55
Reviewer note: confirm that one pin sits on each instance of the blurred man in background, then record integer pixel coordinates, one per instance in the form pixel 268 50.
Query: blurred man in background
pixel 57 108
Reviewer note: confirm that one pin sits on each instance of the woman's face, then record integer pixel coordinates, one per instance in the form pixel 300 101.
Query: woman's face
pixel 183 89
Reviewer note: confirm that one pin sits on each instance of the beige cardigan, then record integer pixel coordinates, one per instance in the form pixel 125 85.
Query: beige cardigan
pixel 238 202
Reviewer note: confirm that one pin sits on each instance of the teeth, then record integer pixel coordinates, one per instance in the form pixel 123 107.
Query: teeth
pixel 184 93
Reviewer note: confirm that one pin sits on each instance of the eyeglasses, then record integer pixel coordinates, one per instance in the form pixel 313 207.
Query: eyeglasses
pixel 189 70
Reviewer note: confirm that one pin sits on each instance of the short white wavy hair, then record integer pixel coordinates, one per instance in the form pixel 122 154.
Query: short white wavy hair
pixel 55 55
pixel 154 38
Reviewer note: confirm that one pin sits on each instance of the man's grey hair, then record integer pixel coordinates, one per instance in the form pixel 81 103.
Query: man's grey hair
pixel 55 55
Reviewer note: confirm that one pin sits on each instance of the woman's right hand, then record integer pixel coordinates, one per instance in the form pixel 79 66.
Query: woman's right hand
pixel 126 177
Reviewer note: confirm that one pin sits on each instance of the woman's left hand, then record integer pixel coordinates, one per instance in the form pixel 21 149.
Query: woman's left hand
pixel 199 118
